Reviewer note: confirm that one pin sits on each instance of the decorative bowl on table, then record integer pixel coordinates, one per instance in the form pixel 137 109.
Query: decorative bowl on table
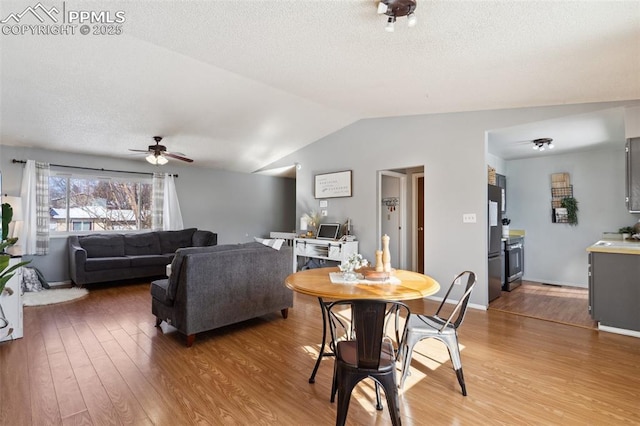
pixel 371 274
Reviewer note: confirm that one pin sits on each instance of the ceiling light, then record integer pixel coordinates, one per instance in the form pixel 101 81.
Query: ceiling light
pixel 158 159
pixel 542 143
pixel 395 9
pixel 411 20
pixel 390 27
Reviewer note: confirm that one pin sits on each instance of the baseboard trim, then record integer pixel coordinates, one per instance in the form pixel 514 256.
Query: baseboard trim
pixel 622 331
pixel 61 284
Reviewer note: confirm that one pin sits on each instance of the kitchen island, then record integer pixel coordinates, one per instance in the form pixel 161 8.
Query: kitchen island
pixel 614 286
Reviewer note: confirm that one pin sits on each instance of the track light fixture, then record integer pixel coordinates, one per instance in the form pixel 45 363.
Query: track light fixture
pixel 397 8
pixel 542 143
pixel 390 27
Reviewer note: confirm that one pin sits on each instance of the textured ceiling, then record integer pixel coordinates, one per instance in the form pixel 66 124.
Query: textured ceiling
pixel 237 85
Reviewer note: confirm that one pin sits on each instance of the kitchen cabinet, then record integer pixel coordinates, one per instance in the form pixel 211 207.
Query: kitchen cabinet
pixel 501 181
pixel 614 293
pixel 633 175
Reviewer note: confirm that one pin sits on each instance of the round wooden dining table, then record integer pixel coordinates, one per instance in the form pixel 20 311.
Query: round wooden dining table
pixel 403 285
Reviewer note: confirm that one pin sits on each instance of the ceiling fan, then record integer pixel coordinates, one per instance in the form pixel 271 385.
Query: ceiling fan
pixel 157 154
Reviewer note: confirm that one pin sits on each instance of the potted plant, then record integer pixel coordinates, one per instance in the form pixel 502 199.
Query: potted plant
pixel 626 232
pixel 571 204
pixel 6 272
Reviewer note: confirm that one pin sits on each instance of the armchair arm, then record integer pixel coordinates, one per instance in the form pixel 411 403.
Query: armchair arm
pixel 77 260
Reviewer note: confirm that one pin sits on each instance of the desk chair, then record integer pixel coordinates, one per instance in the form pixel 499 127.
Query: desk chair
pixel 368 353
pixel 421 327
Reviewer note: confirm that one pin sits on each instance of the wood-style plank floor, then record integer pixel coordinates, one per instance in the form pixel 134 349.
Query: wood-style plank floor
pixel 567 305
pixel 100 360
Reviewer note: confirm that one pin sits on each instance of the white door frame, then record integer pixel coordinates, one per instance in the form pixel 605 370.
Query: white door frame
pixel 403 214
pixel 414 228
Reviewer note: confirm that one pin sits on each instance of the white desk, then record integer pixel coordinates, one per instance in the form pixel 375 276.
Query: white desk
pixel 337 251
pixel 12 304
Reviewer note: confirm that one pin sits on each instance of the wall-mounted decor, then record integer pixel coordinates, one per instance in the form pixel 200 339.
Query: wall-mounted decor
pixel 333 185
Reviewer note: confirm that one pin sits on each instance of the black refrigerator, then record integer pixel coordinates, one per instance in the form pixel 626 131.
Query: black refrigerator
pixel 495 247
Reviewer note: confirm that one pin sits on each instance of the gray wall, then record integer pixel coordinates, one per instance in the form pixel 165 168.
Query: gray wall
pixel 556 253
pixel 238 206
pixel 452 148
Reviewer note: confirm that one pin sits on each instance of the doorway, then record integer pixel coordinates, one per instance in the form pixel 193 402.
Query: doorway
pixel 400 210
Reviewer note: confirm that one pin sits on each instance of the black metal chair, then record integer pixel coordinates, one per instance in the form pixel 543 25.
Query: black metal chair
pixel 367 352
pixel 421 327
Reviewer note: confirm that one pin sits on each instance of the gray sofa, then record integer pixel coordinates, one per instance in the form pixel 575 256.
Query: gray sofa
pixel 216 286
pixel 111 257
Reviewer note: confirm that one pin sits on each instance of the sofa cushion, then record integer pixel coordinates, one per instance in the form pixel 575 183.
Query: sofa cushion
pixel 102 263
pixel 202 238
pixel 170 241
pixel 176 263
pixel 149 260
pixel 137 244
pixel 103 245
pixel 159 291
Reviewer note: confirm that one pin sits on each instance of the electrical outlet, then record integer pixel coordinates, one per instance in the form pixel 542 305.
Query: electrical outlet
pixel 324 213
pixel 324 203
pixel 468 218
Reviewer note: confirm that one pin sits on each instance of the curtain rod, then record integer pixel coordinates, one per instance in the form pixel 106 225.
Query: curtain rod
pixel 14 161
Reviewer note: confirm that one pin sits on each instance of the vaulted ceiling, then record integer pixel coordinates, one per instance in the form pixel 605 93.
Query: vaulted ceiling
pixel 237 85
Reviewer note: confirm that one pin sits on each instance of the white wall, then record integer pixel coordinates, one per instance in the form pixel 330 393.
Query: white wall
pixel 452 148
pixel 237 206
pixel 555 253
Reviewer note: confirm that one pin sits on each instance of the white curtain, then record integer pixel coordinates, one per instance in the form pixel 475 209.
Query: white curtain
pixel 166 213
pixel 171 215
pixel 34 238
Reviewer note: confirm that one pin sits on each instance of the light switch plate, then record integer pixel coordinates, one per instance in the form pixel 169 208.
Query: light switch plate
pixel 324 203
pixel 324 213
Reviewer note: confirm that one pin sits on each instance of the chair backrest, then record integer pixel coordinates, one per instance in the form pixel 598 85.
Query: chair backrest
pixel 457 314
pixel 368 322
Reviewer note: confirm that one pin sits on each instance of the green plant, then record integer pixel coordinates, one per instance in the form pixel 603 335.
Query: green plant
pixel 626 230
pixel 571 204
pixel 7 216
pixel 6 272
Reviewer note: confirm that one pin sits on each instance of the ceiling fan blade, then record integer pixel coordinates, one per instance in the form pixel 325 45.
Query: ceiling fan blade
pixel 138 150
pixel 178 157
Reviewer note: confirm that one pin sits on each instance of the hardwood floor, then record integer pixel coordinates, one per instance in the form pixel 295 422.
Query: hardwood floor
pixel 100 360
pixel 567 305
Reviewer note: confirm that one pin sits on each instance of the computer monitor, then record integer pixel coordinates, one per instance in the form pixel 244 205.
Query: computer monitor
pixel 328 231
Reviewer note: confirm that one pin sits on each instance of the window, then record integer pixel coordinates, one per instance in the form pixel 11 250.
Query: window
pixel 97 203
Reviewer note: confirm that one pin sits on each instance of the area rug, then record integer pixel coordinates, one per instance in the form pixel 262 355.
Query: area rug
pixel 48 297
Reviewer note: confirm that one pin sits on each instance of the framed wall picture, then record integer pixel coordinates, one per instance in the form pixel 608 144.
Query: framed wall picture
pixel 333 185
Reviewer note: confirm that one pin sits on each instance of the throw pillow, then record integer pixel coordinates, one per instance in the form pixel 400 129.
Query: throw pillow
pixel 275 243
pixel 30 280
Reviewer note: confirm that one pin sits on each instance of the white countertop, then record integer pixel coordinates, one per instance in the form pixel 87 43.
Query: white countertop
pixel 613 246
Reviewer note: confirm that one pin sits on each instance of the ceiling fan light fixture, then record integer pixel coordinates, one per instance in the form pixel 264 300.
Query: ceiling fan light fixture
pixel 390 27
pixel 151 159
pixel 551 145
pixel 382 8
pixel 162 160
